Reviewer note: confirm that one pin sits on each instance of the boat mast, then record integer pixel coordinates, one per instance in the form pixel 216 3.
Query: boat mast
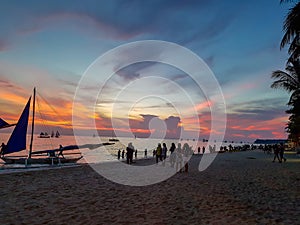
pixel 32 125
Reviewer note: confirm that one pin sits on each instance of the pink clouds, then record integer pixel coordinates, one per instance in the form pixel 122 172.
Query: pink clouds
pixel 203 106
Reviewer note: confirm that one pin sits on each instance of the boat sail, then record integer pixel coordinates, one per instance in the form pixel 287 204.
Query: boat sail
pixel 17 140
pixel 4 124
pixel 57 135
pixel 17 143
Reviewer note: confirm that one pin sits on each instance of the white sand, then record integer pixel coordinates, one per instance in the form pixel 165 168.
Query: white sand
pixel 238 188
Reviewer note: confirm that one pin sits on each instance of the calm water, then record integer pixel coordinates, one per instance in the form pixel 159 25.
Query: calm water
pixel 139 143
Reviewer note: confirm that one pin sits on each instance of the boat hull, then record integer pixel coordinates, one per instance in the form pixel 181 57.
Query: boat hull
pixel 48 160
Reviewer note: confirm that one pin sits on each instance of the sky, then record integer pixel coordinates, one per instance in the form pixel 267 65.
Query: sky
pixel 51 45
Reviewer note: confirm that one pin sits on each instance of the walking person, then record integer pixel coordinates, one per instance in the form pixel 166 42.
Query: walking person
pixel 173 154
pixel 119 154
pixel 135 153
pixel 203 150
pixel 276 153
pixel 281 152
pixel 129 151
pixel 178 158
pixel 154 153
pixel 187 151
pixel 158 152
pixel 123 153
pixel 164 153
pixel 145 153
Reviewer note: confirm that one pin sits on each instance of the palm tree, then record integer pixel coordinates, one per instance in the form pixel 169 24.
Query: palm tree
pixel 290 81
pixel 291 28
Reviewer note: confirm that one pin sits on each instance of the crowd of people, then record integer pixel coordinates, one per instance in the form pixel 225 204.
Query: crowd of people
pixel 278 150
pixel 178 156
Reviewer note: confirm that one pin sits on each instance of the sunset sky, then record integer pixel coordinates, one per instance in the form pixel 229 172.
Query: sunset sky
pixel 50 45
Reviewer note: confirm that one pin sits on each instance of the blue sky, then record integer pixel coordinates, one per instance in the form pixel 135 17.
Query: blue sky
pixel 50 44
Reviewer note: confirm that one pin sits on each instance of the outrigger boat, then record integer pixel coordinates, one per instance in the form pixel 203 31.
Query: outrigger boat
pixel 17 143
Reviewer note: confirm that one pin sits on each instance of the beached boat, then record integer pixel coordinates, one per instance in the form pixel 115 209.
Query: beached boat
pixel 17 143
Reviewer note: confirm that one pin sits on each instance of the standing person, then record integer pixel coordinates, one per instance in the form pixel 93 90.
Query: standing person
pixel 145 153
pixel 123 153
pixel 203 149
pixel 276 153
pixel 164 153
pixel 178 158
pixel 3 146
pixel 60 151
pixel 281 152
pixel 135 153
pixel 187 151
pixel 129 151
pixel 198 150
pixel 119 154
pixel 173 154
pixel 158 152
pixel 154 153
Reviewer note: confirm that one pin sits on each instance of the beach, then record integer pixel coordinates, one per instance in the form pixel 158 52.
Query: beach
pixel 237 188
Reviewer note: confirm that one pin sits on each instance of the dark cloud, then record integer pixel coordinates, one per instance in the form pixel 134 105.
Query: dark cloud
pixel 170 20
pixel 141 128
pixel 260 110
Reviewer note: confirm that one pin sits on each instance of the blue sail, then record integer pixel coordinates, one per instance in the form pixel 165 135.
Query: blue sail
pixel 3 123
pixel 17 140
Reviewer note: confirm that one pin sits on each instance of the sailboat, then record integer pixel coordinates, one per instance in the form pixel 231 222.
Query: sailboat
pixel 57 135
pixel 17 143
pixel 44 135
pixel 113 139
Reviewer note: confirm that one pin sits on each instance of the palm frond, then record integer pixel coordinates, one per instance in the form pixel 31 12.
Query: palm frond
pixel 291 25
pixel 284 81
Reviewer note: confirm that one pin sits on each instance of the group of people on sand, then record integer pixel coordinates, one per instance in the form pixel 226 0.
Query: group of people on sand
pixel 178 156
pixel 279 152
pixel 129 153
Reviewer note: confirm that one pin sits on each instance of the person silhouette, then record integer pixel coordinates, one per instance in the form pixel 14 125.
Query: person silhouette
pixel 129 151
pixel 281 152
pixel 3 146
pixel 60 151
pixel 119 154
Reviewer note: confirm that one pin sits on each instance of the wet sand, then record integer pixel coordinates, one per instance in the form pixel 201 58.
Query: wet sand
pixel 238 188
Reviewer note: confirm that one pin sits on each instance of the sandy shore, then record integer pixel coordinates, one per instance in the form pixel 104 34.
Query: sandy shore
pixel 238 188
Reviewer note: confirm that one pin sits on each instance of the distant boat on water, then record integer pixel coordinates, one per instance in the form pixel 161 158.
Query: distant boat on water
pixel 113 139
pixel 17 143
pixel 57 134
pixel 44 135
